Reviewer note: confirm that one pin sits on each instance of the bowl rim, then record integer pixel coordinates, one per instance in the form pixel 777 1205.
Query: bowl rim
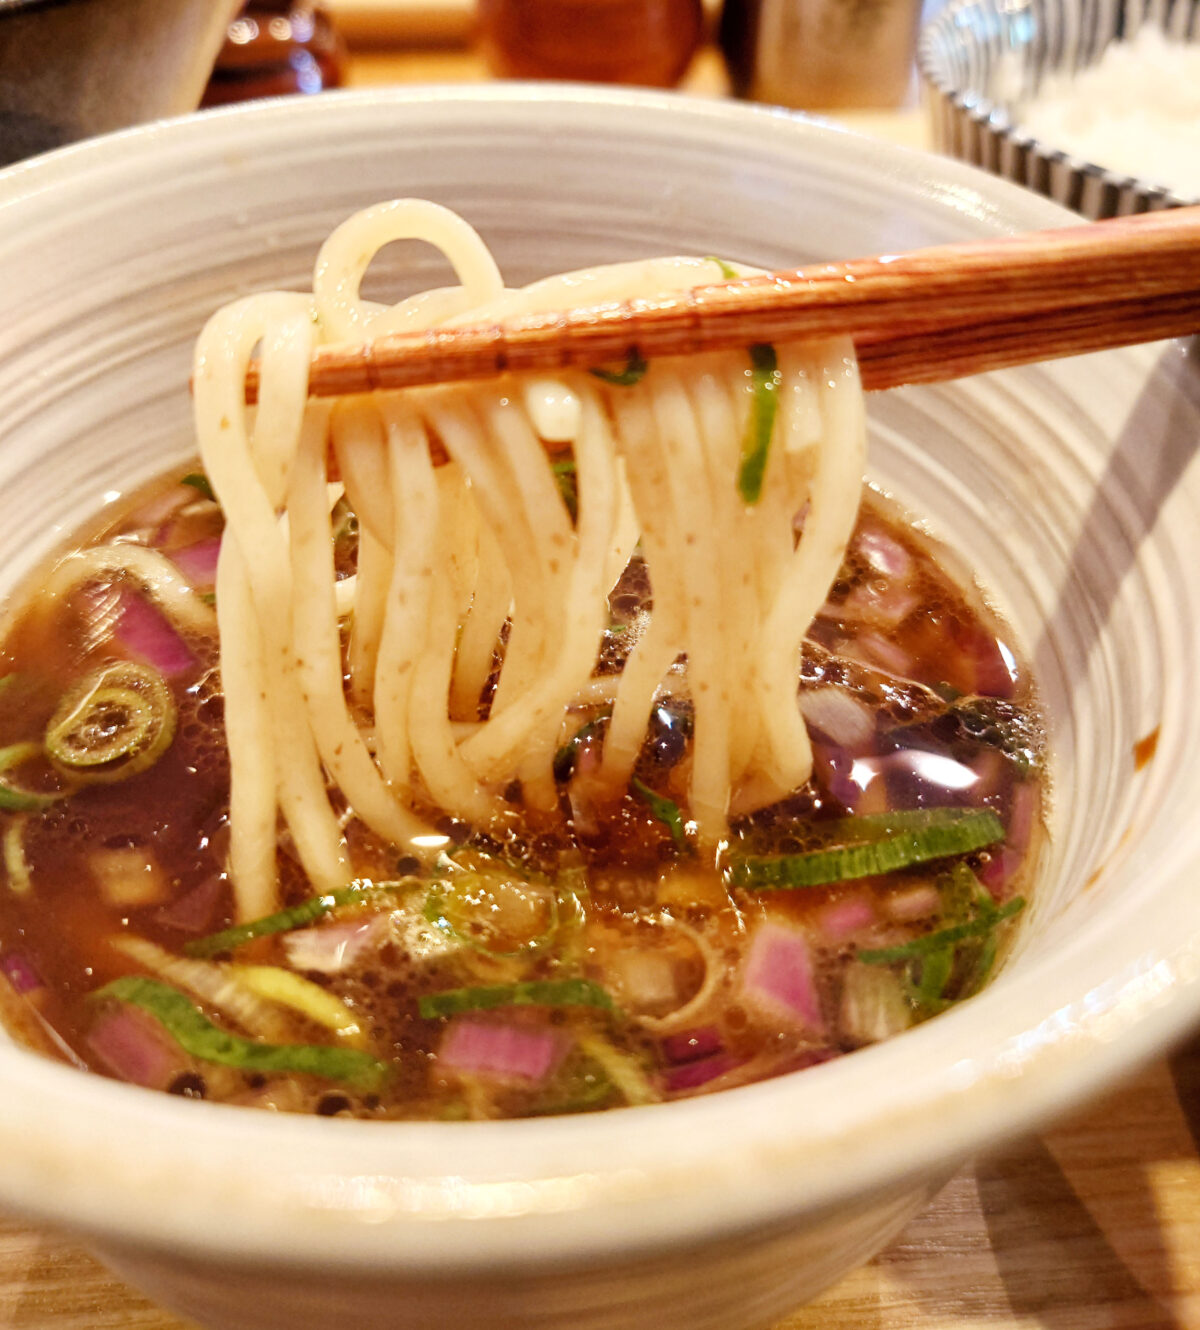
pixel 323 1193
pixel 992 118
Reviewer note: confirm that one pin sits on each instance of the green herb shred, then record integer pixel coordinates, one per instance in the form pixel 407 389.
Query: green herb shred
pixel 568 484
pixel 756 446
pixel 958 958
pixel 532 993
pixel 882 844
pixel 728 271
pixel 666 810
pixel 936 969
pixel 200 482
pixel 634 371
pixel 197 1035
pixel 295 916
pixel 944 937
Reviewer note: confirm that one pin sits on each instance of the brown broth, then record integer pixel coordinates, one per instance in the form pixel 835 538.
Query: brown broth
pixel 602 894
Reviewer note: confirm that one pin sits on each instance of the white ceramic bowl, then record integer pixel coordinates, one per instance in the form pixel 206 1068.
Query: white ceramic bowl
pixel 1070 487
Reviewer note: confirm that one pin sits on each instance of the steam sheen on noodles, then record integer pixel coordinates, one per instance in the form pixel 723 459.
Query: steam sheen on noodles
pixel 441 674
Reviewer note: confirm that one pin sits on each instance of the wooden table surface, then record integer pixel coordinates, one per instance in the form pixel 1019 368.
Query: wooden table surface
pixel 1094 1225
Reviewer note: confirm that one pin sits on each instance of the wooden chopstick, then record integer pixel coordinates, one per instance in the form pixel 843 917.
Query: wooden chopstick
pixel 921 317
pixel 957 352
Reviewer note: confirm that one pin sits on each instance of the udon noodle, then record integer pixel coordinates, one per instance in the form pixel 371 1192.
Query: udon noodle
pixel 536 746
pixel 450 556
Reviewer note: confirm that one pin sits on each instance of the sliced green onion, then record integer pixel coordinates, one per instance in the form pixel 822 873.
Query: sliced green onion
pixel 200 482
pixel 664 809
pixel 873 1006
pixel 113 724
pixel 580 1086
pixel 12 799
pixel 634 371
pixel 728 271
pixel 874 826
pixel 963 896
pixel 15 863
pixel 197 1035
pixel 531 993
pixel 936 969
pixel 568 885
pixel 985 962
pixel 930 963
pixel 764 403
pixel 946 937
pixel 295 916
pixel 292 990
pixel 888 842
pixel 210 982
pixel 624 1070
pixel 445 908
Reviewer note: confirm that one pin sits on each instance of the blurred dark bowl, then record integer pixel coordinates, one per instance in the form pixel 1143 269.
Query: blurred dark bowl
pixel 73 68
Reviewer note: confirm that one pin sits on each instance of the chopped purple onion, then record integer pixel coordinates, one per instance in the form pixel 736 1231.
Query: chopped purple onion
pixel 198 562
pixel 506 1052
pixel 145 633
pixel 195 910
pixel 1020 816
pixel 134 1047
pixel 694 1074
pixel 886 606
pixel 841 717
pixel 809 1057
pixel 998 870
pixel 20 973
pixel 692 1044
pixel 993 663
pixel 1002 864
pixel 883 552
pixel 845 776
pixel 842 919
pixel 583 814
pixel 160 513
pixel 778 975
pixel 877 650
pixel 332 948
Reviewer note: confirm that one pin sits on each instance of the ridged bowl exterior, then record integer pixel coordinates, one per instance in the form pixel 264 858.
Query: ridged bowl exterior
pixel 1072 489
pixel 980 60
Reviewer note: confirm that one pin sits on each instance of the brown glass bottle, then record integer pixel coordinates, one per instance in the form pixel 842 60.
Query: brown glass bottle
pixel 275 47
pixel 648 42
